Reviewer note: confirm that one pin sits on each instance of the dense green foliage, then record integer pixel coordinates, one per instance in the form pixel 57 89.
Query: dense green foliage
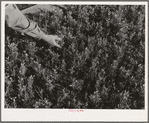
pixel 100 65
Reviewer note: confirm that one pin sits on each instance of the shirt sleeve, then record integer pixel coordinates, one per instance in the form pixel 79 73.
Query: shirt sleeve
pixel 19 22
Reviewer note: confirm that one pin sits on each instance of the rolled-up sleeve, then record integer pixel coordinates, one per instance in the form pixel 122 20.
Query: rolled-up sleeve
pixel 19 22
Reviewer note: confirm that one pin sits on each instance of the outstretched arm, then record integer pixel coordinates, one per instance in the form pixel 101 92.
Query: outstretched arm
pixel 19 22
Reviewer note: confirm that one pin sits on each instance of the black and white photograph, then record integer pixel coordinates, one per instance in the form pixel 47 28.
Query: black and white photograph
pixel 75 57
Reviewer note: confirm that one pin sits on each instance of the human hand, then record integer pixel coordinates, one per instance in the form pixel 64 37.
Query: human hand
pixel 51 39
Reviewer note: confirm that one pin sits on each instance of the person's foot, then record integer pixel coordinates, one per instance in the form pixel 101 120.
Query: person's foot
pixel 51 39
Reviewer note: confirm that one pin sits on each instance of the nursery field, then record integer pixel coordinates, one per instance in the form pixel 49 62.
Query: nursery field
pixel 101 64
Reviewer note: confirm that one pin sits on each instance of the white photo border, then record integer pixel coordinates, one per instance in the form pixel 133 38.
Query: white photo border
pixel 64 114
